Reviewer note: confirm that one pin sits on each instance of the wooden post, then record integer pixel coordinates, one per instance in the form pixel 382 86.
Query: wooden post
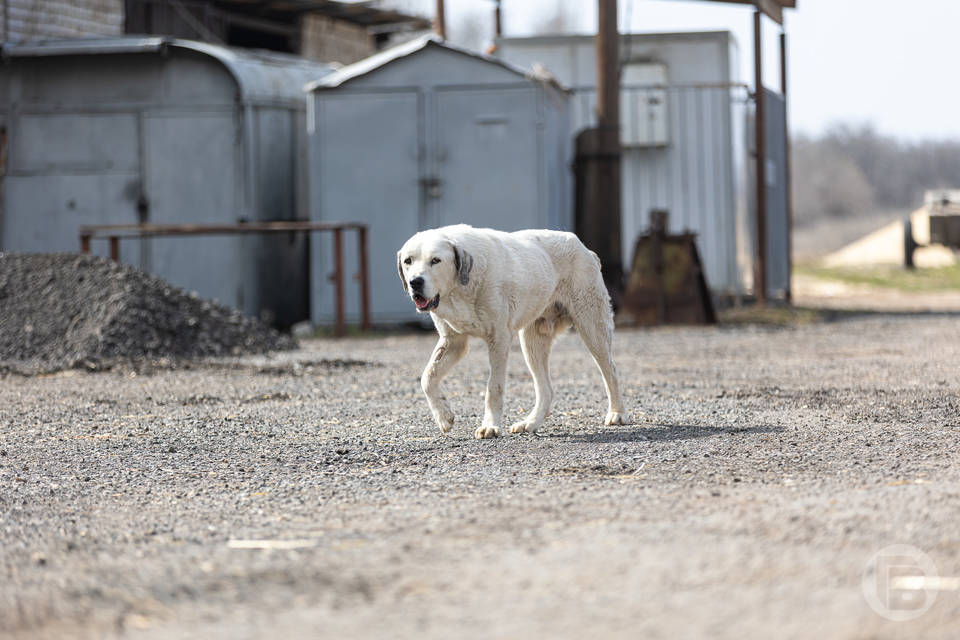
pixel 115 248
pixel 439 20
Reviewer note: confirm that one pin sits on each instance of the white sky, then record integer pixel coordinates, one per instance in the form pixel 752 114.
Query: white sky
pixel 890 63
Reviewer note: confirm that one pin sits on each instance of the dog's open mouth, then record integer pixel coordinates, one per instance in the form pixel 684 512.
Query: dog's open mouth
pixel 424 304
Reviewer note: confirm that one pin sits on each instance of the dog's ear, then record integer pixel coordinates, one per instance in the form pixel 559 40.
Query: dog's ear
pixel 400 271
pixel 463 261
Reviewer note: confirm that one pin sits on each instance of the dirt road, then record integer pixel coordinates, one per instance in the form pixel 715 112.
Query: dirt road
pixel 308 494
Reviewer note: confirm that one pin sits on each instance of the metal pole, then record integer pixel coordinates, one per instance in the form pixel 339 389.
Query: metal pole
pixel 607 207
pixel 760 269
pixel 608 72
pixel 115 248
pixel 338 280
pixel 787 169
pixel 364 281
pixel 439 21
pixel 497 20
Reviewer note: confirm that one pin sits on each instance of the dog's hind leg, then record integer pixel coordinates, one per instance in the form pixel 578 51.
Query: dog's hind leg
pixel 449 351
pixel 594 323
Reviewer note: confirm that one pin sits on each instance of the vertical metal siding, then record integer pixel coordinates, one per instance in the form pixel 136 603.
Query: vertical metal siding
pixel 97 123
pixel 479 130
pixel 699 175
pixel 365 167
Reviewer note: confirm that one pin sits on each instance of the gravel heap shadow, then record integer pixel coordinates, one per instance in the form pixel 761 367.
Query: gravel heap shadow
pixel 61 311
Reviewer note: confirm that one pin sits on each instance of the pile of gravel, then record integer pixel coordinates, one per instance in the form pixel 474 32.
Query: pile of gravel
pixel 62 311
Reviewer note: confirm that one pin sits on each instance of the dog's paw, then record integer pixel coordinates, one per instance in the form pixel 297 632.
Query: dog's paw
pixel 444 419
pixel 524 427
pixel 486 432
pixel 615 418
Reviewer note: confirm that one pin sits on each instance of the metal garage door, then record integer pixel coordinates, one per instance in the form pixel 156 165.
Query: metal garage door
pixel 377 180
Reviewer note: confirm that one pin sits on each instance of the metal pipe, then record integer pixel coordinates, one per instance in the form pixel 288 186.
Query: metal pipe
pixel 338 281
pixel 153 230
pixel 760 269
pixel 606 211
pixel 364 280
pixel 608 72
pixel 114 233
pixel 787 168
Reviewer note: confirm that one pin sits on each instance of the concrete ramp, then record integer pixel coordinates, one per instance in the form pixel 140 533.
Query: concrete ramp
pixel 885 246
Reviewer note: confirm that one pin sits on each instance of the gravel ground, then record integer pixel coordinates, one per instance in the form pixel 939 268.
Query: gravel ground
pixel 766 469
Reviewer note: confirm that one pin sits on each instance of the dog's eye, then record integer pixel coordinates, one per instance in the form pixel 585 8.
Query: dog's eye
pixel 435 261
pixel 408 261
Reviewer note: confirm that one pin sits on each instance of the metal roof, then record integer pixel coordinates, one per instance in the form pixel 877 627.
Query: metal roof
pixel 385 57
pixel 260 75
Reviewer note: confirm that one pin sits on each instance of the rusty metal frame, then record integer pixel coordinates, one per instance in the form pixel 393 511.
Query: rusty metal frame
pixel 117 231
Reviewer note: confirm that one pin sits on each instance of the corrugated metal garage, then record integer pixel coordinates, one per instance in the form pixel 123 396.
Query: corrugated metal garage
pixel 164 131
pixel 428 134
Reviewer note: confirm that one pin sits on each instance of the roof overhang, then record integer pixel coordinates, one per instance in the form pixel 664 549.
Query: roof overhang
pixel 366 14
pixel 261 76
pixel 773 9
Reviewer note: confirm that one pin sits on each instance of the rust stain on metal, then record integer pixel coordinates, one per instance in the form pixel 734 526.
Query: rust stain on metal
pixel 666 284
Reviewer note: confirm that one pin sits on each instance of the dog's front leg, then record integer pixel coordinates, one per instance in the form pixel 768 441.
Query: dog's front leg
pixel 499 346
pixel 449 351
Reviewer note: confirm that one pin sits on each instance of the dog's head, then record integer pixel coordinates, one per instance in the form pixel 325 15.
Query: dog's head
pixel 431 267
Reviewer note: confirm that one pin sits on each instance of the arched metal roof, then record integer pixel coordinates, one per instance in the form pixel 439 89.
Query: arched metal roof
pixel 260 75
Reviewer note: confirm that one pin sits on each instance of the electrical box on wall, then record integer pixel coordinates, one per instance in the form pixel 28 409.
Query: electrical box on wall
pixel 643 105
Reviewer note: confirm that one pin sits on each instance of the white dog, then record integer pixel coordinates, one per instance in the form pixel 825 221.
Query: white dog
pixel 491 285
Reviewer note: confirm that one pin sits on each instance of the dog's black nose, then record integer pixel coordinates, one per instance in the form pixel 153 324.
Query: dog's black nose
pixel 417 283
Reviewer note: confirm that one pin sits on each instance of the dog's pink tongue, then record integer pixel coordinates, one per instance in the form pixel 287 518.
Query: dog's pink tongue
pixel 421 302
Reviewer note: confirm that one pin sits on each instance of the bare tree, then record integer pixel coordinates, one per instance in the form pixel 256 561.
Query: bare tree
pixel 561 20
pixel 472 29
pixel 850 170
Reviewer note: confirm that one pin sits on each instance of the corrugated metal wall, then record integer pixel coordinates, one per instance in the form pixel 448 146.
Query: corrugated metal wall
pixel 683 151
pixel 435 138
pixel 136 132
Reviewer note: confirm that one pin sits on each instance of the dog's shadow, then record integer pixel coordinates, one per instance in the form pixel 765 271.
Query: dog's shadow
pixel 657 433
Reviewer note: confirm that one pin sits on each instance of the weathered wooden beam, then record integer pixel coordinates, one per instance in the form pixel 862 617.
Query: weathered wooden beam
pixel 773 9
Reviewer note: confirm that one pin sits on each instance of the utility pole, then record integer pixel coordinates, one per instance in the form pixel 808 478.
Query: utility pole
pixel 439 21
pixel 788 168
pixel 759 142
pixel 606 211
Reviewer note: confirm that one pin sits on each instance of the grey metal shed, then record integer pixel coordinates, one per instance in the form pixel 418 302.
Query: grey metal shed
pixel 165 131
pixel 427 134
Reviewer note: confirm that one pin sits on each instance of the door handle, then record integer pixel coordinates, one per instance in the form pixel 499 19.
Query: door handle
pixel 432 186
